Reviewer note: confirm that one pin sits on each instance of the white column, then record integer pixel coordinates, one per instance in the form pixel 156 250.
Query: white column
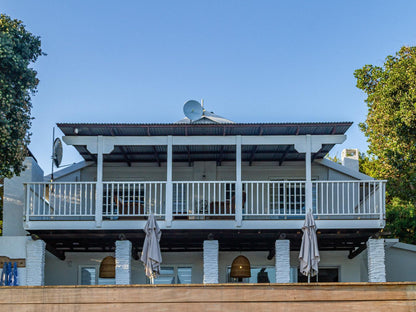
pixel 123 262
pixel 169 188
pixel 375 258
pixel 35 262
pixel 238 183
pixel 99 185
pixel 282 259
pixel 211 262
pixel 308 173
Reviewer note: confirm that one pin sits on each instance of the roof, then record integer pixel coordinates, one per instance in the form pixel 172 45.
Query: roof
pixel 218 153
pixel 340 168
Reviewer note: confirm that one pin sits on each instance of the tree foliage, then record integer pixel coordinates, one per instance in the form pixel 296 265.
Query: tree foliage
pixel 390 128
pixel 18 49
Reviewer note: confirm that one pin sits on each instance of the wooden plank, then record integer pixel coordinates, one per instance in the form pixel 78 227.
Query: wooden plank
pixel 340 306
pixel 146 294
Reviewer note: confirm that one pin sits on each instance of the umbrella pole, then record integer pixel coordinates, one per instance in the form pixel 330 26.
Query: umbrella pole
pixel 309 278
pixel 152 280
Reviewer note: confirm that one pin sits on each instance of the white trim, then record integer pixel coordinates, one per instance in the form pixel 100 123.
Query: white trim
pixel 354 174
pixel 81 266
pixel 404 246
pixel 203 224
pixel 298 140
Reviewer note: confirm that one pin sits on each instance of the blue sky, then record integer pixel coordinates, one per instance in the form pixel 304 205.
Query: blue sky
pixel 251 61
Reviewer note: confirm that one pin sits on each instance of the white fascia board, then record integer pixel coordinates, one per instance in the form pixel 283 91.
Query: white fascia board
pixel 333 165
pixel 408 247
pixel 202 224
pixel 205 140
pixel 68 170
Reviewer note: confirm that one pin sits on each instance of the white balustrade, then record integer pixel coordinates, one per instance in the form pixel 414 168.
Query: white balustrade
pixel 203 198
pixel 331 199
pixel 131 199
pixel 60 201
pixel 200 199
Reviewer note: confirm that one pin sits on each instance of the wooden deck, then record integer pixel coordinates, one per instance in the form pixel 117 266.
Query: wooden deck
pixel 338 297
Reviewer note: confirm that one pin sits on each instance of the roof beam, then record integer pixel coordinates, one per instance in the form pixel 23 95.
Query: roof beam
pixel 57 253
pixel 298 140
pixel 219 161
pixel 284 155
pixel 122 150
pixel 254 150
pixel 356 252
pixel 188 152
pixel 156 156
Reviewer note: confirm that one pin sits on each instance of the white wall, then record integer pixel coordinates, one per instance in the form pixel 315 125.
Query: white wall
pixel 59 272
pixel 14 197
pixel 400 263
pixel 14 247
pixel 207 170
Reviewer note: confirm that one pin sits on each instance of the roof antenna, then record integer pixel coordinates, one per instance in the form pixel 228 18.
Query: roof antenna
pixel 202 105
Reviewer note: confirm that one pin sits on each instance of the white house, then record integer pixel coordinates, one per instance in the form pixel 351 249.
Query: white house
pixel 219 189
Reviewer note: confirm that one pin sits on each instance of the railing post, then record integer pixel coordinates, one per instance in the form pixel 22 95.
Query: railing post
pixel 99 185
pixel 308 174
pixel 238 184
pixel 382 207
pixel 27 203
pixel 169 188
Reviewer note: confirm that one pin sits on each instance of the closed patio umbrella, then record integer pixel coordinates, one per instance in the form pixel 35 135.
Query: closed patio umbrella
pixel 151 256
pixel 309 253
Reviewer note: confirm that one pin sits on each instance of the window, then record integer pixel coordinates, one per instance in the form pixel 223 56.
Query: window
pixel 174 275
pixel 88 275
pixel 324 275
pixel 289 196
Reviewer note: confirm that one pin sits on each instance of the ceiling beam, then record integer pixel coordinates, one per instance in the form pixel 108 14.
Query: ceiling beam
pixel 356 252
pixel 282 159
pixel 219 161
pixel 188 152
pixel 254 149
pixel 57 253
pixel 123 150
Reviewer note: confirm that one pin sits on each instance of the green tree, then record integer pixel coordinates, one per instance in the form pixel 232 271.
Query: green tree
pixel 18 50
pixel 390 128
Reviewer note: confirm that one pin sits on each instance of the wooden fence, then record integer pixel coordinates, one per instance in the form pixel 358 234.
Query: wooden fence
pixel 338 297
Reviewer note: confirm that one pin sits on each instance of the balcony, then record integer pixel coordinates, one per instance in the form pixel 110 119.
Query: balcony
pixel 204 204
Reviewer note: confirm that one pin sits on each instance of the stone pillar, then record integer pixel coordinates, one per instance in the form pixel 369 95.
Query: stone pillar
pixel 375 258
pixel 35 262
pixel 211 262
pixel 282 258
pixel 123 262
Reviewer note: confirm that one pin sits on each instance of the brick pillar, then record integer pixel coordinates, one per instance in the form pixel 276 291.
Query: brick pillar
pixel 123 262
pixel 211 262
pixel 35 262
pixel 282 259
pixel 375 258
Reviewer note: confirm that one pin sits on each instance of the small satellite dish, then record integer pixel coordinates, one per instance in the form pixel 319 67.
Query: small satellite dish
pixel 57 152
pixel 193 110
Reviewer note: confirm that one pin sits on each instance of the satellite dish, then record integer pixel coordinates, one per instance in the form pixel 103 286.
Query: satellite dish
pixel 57 152
pixel 193 110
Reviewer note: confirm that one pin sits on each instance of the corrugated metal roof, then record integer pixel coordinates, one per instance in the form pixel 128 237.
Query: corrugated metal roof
pixel 203 152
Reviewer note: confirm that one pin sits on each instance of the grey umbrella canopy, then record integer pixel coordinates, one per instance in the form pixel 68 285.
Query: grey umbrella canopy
pixel 151 256
pixel 309 252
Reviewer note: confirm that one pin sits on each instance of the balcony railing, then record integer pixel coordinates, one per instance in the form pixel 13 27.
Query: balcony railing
pixel 205 200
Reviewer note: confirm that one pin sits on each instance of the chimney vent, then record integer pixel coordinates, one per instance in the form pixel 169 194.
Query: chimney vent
pixel 349 158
